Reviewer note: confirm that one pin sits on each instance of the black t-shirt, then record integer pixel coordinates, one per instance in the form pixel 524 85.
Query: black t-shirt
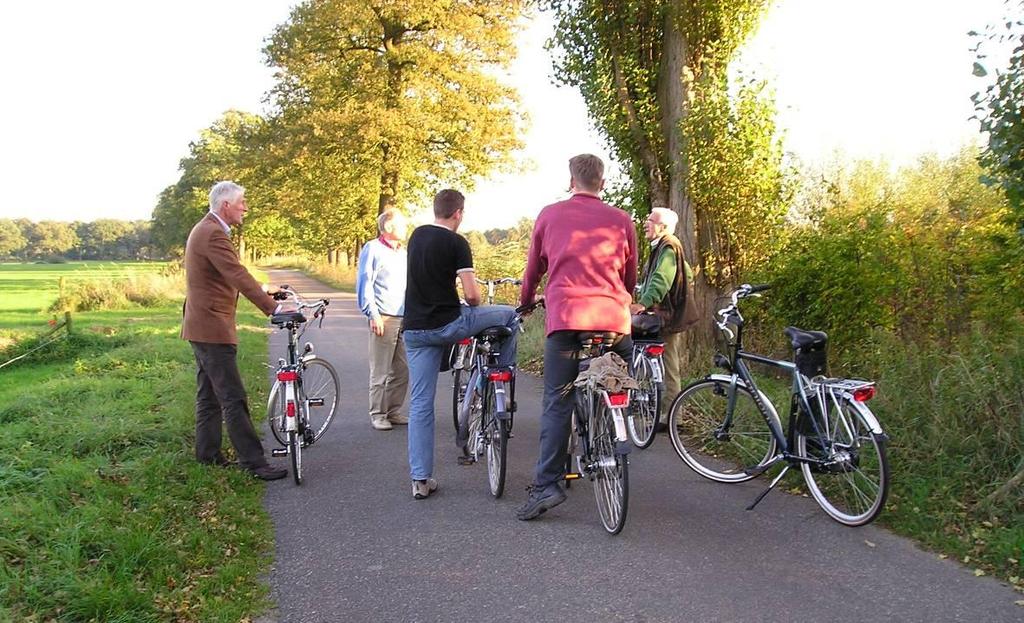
pixel 436 255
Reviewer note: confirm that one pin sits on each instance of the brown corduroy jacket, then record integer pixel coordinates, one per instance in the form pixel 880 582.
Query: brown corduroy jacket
pixel 213 279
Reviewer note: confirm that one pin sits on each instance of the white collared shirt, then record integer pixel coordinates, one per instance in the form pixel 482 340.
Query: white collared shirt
pixel 223 225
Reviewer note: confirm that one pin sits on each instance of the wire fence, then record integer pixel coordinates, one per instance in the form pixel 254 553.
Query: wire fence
pixel 57 332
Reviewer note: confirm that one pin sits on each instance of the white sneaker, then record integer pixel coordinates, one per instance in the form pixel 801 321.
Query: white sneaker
pixel 381 424
pixel 423 488
pixel 398 419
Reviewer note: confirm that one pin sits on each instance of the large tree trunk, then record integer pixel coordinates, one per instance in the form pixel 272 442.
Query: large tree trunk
pixel 676 93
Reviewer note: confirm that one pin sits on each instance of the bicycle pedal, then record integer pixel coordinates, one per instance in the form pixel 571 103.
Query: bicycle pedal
pixel 573 476
pixel 279 452
pixel 465 460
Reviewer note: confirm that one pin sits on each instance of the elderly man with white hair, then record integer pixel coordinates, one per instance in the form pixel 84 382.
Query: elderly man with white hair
pixel 380 294
pixel 666 287
pixel 214 277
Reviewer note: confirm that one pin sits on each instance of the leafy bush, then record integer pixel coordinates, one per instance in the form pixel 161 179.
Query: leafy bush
pixel 921 253
pixel 143 290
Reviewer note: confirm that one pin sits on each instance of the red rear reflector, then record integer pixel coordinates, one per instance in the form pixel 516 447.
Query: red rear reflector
pixel 864 394
pixel 655 350
pixel 618 400
pixel 500 375
pixel 466 342
pixel 289 409
pixel 597 339
pixel 289 375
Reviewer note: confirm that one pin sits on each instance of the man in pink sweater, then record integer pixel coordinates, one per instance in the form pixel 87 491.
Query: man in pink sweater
pixel 588 250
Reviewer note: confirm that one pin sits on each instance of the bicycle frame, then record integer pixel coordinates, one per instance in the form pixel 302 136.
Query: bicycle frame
pixel 799 398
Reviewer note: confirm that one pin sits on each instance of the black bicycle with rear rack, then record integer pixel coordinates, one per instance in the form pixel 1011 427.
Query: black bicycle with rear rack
pixel 488 404
pixel 727 430
pixel 304 397
pixel 464 355
pixel 598 447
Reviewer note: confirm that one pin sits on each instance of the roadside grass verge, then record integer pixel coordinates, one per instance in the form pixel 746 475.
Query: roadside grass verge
pixel 105 514
pixel 341 277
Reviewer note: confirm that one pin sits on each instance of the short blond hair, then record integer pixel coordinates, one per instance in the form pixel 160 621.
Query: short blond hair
pixel 587 171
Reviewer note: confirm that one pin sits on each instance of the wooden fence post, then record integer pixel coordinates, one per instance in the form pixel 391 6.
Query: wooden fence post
pixel 67 321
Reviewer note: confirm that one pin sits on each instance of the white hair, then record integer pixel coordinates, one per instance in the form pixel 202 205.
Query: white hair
pixel 224 191
pixel 666 217
pixel 386 217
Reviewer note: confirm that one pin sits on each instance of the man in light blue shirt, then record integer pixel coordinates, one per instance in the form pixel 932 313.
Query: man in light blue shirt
pixel 380 293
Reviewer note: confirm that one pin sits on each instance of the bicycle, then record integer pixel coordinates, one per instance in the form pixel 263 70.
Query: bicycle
pixel 485 413
pixel 647 368
pixel 727 430
pixel 464 353
pixel 598 447
pixel 304 397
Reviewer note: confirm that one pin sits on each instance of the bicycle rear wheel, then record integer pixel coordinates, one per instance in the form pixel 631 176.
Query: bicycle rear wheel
pixel 495 441
pixel 295 452
pixel 851 480
pixel 318 391
pixel 642 419
pixel 275 413
pixel 611 472
pixel 712 443
pixel 458 392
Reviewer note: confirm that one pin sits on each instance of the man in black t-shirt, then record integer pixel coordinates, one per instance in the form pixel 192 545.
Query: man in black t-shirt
pixel 434 318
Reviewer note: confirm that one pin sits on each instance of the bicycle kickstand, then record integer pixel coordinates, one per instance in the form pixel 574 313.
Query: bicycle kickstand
pixel 771 486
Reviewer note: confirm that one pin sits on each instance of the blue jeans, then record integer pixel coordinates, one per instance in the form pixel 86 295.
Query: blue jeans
pixel 424 348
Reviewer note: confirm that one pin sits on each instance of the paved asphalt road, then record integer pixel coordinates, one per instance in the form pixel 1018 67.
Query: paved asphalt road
pixel 353 545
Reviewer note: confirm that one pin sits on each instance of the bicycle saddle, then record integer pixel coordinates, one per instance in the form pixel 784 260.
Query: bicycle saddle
pixel 803 339
pixel 588 337
pixel 287 317
pixel 491 333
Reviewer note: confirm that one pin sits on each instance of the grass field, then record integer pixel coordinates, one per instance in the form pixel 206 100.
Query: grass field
pixel 105 514
pixel 32 287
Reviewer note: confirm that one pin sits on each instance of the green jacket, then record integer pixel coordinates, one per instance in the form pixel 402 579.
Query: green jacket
pixel 662 289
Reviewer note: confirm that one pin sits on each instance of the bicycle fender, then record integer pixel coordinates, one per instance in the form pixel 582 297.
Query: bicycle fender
pixel 501 401
pixel 869 417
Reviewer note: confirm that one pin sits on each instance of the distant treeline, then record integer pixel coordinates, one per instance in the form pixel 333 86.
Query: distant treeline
pixel 102 239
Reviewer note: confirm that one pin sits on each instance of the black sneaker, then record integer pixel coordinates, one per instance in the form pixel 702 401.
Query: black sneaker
pixel 268 472
pixel 540 501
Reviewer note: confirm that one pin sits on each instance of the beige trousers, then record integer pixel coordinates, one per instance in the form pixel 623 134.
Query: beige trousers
pixel 389 373
pixel 672 358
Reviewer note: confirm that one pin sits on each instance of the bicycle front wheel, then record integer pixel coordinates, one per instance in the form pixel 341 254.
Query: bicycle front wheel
pixel 849 477
pixel 714 442
pixel 611 472
pixel 642 418
pixel 295 452
pixel 495 440
pixel 318 391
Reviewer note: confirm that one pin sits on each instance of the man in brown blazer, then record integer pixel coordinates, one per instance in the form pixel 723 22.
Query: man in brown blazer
pixel 214 278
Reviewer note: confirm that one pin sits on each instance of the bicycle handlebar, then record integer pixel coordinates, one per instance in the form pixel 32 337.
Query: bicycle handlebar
pixel 498 282
pixel 522 310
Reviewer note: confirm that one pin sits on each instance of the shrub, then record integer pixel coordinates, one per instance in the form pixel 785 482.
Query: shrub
pixel 143 290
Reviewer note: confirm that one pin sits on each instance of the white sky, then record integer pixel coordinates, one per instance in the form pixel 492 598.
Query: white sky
pixel 100 100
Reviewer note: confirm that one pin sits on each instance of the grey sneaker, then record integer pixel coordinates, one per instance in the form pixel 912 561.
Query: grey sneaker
pixel 540 501
pixel 398 419
pixel 381 424
pixel 423 488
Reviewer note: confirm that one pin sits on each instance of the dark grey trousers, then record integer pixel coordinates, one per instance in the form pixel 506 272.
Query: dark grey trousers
pixel 561 366
pixel 220 396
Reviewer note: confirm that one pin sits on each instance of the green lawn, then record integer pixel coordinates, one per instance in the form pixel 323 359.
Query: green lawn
pixel 32 287
pixel 105 514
